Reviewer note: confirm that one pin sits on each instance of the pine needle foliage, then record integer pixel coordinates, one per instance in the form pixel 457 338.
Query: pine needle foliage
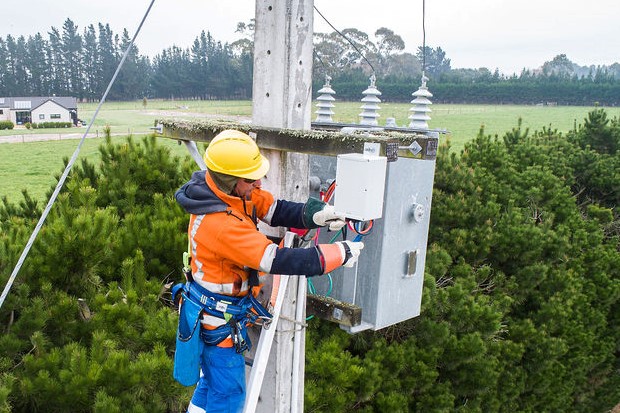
pixel 521 301
pixel 86 328
pixel 521 296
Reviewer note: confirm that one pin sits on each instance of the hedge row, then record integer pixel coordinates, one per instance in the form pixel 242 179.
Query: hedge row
pixel 49 125
pixel 6 124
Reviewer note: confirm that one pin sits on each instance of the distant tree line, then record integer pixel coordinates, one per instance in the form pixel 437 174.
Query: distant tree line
pixel 557 82
pixel 72 64
pixel 81 63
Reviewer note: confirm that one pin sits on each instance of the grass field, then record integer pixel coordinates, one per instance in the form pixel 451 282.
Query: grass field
pixel 32 165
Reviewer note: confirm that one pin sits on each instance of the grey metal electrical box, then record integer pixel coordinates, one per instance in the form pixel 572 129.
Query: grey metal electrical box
pixel 387 282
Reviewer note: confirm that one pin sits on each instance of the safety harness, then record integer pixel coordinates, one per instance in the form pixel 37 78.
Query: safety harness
pixel 239 312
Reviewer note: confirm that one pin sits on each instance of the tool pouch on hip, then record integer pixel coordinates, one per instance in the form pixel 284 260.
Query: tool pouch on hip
pixel 188 344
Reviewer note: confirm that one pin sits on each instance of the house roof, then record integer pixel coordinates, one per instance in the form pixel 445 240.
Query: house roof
pixel 30 103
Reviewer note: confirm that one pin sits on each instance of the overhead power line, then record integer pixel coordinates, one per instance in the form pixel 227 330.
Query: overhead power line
pixel 346 38
pixel 423 36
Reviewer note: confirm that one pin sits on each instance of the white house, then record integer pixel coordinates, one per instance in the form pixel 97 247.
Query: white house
pixel 21 110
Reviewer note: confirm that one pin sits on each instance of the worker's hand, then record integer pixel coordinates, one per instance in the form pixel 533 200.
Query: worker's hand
pixel 328 216
pixel 350 251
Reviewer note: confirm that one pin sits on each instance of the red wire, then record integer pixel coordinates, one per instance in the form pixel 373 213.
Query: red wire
pixel 326 197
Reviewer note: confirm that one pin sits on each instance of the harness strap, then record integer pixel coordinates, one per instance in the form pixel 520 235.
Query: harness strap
pixel 218 304
pixel 239 312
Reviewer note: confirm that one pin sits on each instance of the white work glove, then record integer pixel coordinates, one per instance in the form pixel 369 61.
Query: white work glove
pixel 350 252
pixel 328 216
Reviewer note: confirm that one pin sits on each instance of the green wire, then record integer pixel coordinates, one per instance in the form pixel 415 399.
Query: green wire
pixel 311 286
pixel 331 241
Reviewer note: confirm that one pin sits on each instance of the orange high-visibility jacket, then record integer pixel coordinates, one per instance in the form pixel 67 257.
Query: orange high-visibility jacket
pixel 225 243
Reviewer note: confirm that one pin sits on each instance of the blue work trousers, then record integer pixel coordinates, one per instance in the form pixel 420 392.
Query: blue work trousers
pixel 221 388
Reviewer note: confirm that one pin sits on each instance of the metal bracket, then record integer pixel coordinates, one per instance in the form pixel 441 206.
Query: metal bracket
pixel 193 151
pixel 391 151
pixel 412 262
pixel 414 148
pixel 159 128
pixel 372 149
pixel 328 308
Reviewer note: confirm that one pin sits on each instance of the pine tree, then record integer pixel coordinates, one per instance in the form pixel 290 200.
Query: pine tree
pixel 4 68
pixel 71 46
pixel 108 57
pixel 12 84
pixel 56 60
pixel 200 60
pixel 130 83
pixel 37 65
pixel 91 61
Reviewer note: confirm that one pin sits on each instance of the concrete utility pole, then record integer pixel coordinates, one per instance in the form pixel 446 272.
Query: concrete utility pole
pixel 282 96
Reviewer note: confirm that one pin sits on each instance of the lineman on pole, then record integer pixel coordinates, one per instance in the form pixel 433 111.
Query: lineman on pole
pixel 227 251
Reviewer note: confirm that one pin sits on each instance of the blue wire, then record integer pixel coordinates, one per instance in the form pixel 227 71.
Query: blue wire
pixel 331 285
pixel 358 227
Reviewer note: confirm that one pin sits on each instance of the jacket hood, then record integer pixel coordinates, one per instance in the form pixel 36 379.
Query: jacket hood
pixel 197 198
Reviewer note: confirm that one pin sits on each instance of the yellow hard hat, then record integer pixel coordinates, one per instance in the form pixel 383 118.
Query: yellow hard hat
pixel 234 153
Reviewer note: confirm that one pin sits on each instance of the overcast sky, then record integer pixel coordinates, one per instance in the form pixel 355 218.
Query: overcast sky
pixel 506 34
